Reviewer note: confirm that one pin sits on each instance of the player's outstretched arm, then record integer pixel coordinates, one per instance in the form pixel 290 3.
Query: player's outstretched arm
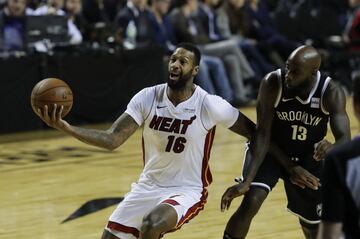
pixel 335 103
pixel 109 139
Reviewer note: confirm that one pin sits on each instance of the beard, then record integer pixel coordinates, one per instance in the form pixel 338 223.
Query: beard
pixel 297 90
pixel 180 83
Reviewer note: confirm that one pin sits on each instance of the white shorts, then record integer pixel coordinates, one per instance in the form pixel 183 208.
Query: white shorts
pixel 126 220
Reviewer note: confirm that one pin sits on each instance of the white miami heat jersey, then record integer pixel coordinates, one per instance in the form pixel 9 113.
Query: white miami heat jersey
pixel 177 140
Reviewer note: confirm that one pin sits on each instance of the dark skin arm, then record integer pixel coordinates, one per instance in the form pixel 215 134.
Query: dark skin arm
pixel 268 94
pixel 298 175
pixel 335 103
pixel 109 139
pixel 261 144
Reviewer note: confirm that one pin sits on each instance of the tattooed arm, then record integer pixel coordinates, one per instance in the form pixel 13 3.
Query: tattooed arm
pixel 109 139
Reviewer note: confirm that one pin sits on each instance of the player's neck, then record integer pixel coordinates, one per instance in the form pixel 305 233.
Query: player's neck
pixel 178 96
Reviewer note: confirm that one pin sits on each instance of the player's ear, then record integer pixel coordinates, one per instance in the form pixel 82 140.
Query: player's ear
pixel 195 70
pixel 314 72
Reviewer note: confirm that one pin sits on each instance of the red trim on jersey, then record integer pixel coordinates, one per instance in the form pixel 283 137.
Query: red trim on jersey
pixel 143 149
pixel 206 176
pixel 192 212
pixel 121 228
pixel 171 202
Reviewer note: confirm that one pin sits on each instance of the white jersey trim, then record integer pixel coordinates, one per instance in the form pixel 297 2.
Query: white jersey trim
pixel 303 218
pixel 326 83
pixel 201 118
pixel 280 89
pixel 262 185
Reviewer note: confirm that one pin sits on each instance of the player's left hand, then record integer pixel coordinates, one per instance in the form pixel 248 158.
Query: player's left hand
pixel 303 178
pixel 233 192
pixel 321 148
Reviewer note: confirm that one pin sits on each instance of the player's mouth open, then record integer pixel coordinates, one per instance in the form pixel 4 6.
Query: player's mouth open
pixel 174 76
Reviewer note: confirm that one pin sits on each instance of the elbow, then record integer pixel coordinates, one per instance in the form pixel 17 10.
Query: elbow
pixel 111 147
pixel 111 142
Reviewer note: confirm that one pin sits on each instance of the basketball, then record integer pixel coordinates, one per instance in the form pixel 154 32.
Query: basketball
pixel 52 91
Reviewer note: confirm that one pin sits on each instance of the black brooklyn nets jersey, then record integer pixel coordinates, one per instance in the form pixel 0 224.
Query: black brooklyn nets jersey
pixel 300 123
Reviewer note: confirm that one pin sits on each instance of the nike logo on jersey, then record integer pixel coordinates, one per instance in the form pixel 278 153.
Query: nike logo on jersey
pixel 285 100
pixel 160 107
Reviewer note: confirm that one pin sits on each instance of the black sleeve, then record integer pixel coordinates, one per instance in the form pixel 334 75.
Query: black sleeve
pixel 333 191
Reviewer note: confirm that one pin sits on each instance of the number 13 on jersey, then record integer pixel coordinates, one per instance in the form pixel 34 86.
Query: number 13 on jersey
pixel 299 132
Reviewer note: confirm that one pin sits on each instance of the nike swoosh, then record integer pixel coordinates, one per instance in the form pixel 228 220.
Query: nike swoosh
pixel 285 100
pixel 160 107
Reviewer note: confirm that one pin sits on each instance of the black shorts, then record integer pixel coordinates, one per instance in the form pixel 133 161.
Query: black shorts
pixel 304 203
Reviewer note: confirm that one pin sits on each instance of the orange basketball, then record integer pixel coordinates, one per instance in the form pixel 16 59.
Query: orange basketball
pixel 52 91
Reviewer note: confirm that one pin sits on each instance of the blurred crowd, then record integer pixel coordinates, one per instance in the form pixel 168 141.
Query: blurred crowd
pixel 241 40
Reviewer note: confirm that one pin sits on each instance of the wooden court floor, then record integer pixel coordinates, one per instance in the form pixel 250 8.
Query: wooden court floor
pixel 46 176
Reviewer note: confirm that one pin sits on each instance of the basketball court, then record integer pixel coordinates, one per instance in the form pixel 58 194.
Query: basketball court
pixel 46 176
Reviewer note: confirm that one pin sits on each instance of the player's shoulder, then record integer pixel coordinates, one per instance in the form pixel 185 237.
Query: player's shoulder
pixel 334 93
pixel 153 89
pixel 333 86
pixel 272 79
pixel 212 100
pixel 148 94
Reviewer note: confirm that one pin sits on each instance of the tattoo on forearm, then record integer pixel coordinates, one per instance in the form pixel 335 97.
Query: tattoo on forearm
pixel 120 131
pixel 123 128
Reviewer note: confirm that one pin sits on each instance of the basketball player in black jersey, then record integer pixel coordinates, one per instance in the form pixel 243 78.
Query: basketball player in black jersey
pixel 294 107
pixel 341 187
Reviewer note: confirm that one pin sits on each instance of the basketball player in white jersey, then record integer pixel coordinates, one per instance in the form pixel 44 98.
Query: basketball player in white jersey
pixel 179 121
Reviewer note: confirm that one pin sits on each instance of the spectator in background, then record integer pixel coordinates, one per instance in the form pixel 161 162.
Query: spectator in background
pixel 73 10
pixel 162 33
pixel 212 77
pixel 352 30
pixel 263 30
pixel 231 20
pixel 54 7
pixel 100 14
pixel 132 26
pixel 12 25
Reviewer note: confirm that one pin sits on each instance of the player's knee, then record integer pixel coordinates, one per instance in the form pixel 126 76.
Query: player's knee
pixel 253 201
pixel 152 224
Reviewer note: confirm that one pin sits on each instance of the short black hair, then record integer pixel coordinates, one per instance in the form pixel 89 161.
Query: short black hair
pixel 191 47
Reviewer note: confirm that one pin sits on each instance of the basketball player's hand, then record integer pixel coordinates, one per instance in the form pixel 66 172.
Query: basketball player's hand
pixel 303 178
pixel 233 192
pixel 321 148
pixel 54 118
